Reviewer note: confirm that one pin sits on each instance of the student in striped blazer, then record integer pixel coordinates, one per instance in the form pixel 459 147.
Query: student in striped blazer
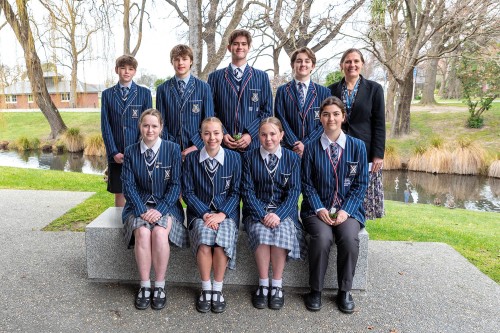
pixel 271 189
pixel 153 214
pixel 297 102
pixel 242 95
pixel 184 101
pixel 334 182
pixel 211 190
pixel 121 107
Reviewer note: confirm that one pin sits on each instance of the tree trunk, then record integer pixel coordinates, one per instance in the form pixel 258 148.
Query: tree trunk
pixel 126 26
pixel 22 30
pixel 401 121
pixel 390 98
pixel 73 94
pixel 195 40
pixel 453 89
pixel 444 79
pixel 430 82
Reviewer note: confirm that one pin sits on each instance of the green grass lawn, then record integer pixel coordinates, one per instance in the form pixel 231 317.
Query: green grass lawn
pixel 476 235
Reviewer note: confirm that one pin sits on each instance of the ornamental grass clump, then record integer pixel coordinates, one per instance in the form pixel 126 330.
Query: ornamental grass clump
pixel 73 140
pixel 94 146
pixel 468 158
pixel 415 163
pixel 494 169
pixel 392 161
pixel 22 144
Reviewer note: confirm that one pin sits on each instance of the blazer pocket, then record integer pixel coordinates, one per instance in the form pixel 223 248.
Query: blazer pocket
pixel 226 182
pixel 195 106
pixel 284 177
pixel 135 111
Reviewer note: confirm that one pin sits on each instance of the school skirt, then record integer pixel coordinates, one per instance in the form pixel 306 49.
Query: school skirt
pixel 226 237
pixel 286 236
pixel 178 233
pixel 374 198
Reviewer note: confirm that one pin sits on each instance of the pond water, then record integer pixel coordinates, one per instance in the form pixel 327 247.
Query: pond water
pixel 470 192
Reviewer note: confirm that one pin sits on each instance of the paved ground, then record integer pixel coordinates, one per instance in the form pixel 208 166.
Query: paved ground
pixel 413 287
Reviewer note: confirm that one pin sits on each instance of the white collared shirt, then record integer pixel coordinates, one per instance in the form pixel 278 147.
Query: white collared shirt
pixel 305 88
pixel 155 147
pixel 325 141
pixel 186 80
pixel 265 154
pixel 219 157
pixel 129 85
pixel 242 67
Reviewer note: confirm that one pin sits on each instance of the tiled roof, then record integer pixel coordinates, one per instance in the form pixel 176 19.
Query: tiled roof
pixel 24 87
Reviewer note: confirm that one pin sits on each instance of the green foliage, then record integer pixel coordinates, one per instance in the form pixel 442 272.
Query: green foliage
pixel 436 141
pixel 333 77
pixel 160 81
pixel 480 78
pixel 23 143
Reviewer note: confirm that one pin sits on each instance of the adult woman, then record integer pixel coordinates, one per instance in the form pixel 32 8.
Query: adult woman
pixel 271 188
pixel 334 182
pixel 211 189
pixel 364 102
pixel 153 214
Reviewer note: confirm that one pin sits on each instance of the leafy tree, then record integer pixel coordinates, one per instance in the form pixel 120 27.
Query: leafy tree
pixel 480 78
pixel 160 81
pixel 333 77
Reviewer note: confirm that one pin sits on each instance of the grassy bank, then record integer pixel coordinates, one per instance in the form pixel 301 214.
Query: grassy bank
pixel 476 235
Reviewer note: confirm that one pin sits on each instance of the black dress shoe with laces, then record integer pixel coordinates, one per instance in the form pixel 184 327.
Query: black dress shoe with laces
pixel 345 303
pixel 141 301
pixel 260 301
pixel 203 305
pixel 276 301
pixel 159 302
pixel 313 300
pixel 218 306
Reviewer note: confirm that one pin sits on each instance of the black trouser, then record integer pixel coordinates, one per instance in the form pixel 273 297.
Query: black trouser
pixel 321 240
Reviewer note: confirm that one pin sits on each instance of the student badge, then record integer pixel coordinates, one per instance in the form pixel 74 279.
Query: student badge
pixel 196 108
pixel 255 97
pixel 135 113
pixel 316 114
pixel 167 174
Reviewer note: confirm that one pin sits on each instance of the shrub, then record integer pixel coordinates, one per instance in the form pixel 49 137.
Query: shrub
pixel 35 143
pixel 392 161
pixel 94 146
pixel 73 140
pixel 23 143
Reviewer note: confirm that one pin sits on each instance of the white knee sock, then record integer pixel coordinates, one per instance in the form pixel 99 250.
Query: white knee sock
pixel 265 283
pixel 278 284
pixel 206 285
pixel 146 284
pixel 218 287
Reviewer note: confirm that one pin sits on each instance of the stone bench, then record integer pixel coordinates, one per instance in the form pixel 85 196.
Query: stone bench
pixel 108 259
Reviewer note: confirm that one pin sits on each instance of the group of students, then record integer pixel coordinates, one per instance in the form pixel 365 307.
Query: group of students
pixel 212 144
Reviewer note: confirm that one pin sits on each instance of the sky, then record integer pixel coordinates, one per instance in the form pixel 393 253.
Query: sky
pixel 153 56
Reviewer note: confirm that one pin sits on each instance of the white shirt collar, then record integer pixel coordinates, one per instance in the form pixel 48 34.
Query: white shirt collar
pixel 264 153
pixel 129 85
pixel 186 79
pixel 155 147
pixel 219 157
pixel 242 67
pixel 305 82
pixel 325 141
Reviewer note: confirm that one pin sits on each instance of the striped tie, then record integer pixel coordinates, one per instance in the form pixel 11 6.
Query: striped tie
pixel 125 93
pixel 150 156
pixel 182 87
pixel 272 162
pixel 300 90
pixel 238 74
pixel 334 153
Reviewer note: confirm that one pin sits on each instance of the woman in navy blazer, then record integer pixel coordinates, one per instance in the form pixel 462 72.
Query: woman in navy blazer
pixel 211 189
pixel 334 182
pixel 271 189
pixel 153 214
pixel 364 101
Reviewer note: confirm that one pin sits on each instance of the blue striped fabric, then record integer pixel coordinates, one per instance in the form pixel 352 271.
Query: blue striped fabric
pixel 259 189
pixel 319 181
pixel 242 112
pixel 198 190
pixel 287 109
pixel 164 185
pixel 183 115
pixel 120 120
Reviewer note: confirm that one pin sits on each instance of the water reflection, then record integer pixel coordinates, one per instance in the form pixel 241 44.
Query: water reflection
pixel 471 192
pixel 75 162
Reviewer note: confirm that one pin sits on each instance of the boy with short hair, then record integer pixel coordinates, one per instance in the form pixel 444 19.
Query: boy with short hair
pixel 121 107
pixel 184 101
pixel 297 102
pixel 242 95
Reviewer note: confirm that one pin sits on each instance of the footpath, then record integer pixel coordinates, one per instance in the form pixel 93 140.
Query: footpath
pixel 412 287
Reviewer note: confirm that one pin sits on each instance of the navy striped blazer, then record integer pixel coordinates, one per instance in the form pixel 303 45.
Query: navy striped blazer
pixel 164 184
pixel 242 111
pixel 120 119
pixel 198 190
pixel 288 110
pixel 183 115
pixel 259 188
pixel 319 180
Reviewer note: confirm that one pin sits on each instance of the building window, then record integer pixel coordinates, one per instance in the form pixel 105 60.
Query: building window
pixel 30 98
pixel 10 99
pixel 65 97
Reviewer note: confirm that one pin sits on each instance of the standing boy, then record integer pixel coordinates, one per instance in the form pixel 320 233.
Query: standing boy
pixel 242 95
pixel 184 101
pixel 297 102
pixel 121 107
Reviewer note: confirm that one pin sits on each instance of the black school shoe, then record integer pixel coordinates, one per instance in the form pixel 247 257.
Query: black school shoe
pixel 313 300
pixel 218 306
pixel 345 303
pixel 159 302
pixel 260 301
pixel 202 304
pixel 141 301
pixel 276 301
